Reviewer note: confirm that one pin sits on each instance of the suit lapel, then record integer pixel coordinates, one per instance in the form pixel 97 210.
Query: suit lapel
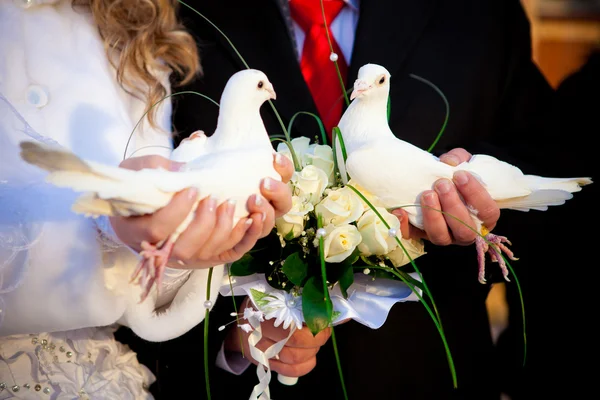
pixel 387 31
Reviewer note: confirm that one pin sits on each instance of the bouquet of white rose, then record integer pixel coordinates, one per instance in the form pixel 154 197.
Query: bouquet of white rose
pixel 336 255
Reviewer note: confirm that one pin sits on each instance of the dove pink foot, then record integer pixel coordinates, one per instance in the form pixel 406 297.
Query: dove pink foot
pixel 152 265
pixel 495 248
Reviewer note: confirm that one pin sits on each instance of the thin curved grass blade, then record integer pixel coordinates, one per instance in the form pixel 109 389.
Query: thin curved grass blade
pixel 441 132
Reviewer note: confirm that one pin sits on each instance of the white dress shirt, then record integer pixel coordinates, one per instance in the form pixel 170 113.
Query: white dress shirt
pixel 56 272
pixel 342 28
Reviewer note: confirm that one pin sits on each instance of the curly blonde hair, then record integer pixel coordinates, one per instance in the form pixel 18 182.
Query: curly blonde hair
pixel 144 39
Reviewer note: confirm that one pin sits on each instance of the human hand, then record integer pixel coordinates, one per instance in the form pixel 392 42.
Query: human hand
pixel 210 239
pixel 444 230
pixel 297 358
pixel 278 194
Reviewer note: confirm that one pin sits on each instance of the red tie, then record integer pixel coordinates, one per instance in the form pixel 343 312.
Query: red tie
pixel 318 70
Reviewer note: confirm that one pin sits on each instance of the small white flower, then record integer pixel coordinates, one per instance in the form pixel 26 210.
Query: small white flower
pixel 246 328
pixel 252 313
pixel 285 308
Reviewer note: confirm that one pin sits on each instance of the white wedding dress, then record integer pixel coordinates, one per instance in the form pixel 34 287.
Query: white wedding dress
pixel 61 272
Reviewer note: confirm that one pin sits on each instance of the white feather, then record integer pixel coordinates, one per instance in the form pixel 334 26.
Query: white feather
pixel 398 172
pixel 227 165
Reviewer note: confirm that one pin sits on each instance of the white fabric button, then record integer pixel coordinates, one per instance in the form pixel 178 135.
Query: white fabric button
pixel 37 96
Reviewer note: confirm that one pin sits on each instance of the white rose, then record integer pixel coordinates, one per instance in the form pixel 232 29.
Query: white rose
pixel 368 195
pixel 416 248
pixel 339 242
pixel 341 206
pixel 295 219
pixel 310 183
pixel 300 146
pixel 320 156
pixel 375 235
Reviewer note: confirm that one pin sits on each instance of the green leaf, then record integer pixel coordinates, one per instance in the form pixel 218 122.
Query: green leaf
pixel 258 297
pixel 346 280
pixel 296 269
pixel 245 266
pixel 316 309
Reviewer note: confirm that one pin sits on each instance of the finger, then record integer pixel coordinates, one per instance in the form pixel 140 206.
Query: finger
pixel 457 216
pixel 232 252
pixel 293 370
pixel 257 204
pixel 152 161
pixel 455 156
pixel 166 220
pixel 402 216
pixel 478 198
pixel 434 222
pixel 284 167
pixel 278 194
pixel 217 242
pixel 297 355
pixel 198 232
pixel 248 240
pixel 302 338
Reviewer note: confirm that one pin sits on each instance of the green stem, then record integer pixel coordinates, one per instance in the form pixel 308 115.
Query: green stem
pixel 316 117
pixel 438 324
pixel 328 305
pixel 241 59
pixel 296 162
pixel 519 290
pixel 157 103
pixel 337 68
pixel 439 135
pixel 522 307
pixel 237 316
pixel 206 374
pixel 437 318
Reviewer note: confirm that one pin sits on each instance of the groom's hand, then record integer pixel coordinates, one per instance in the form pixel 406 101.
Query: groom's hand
pixel 297 358
pixel 455 198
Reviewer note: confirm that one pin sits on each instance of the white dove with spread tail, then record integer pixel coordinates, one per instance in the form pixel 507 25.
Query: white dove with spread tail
pixel 397 172
pixel 229 166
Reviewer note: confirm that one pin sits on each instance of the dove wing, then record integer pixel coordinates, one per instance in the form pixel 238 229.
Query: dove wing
pixel 233 174
pixel 396 172
pixel 108 190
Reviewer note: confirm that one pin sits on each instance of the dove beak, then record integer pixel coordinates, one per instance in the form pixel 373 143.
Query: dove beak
pixel 271 91
pixel 360 87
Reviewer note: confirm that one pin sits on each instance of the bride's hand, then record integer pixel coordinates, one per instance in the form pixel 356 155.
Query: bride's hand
pixel 210 239
pixel 153 228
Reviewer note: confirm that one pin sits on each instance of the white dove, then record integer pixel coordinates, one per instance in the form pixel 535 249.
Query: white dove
pixel 229 166
pixel 403 171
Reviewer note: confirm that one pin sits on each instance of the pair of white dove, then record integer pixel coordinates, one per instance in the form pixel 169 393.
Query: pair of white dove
pixel 231 163
pixel 403 171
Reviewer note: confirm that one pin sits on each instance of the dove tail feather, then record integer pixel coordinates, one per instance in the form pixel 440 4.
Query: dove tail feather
pixel 51 158
pixel 90 205
pixel 538 200
pixel 571 185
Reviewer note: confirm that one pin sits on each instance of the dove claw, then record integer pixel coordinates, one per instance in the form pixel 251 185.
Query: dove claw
pixel 151 267
pixel 494 245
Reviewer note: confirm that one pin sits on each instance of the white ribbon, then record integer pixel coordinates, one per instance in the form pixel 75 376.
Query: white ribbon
pixel 263 369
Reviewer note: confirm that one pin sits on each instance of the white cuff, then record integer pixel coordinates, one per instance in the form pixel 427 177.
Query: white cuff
pixel 106 234
pixel 232 362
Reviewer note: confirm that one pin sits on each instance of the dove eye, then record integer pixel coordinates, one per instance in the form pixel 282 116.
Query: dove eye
pixel 382 80
pixel 261 84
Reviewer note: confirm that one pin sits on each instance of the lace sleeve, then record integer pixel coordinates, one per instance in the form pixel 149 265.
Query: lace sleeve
pixel 22 191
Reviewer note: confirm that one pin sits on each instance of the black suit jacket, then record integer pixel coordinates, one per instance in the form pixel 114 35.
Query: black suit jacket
pixel 478 53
